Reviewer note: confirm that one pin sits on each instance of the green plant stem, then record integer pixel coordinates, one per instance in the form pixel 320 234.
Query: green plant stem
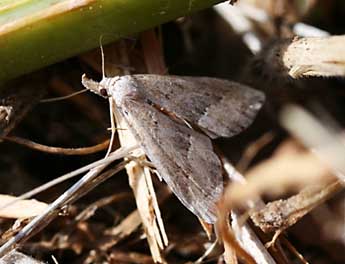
pixel 37 33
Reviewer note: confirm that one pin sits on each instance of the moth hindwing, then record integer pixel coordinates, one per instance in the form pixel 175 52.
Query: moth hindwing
pixel 157 109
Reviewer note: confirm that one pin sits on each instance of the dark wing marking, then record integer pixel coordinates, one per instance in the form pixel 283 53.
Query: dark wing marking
pixel 183 157
pixel 219 107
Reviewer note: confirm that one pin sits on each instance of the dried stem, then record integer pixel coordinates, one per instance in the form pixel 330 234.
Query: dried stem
pixel 58 150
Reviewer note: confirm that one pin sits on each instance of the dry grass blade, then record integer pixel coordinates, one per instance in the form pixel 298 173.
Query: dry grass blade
pixel 69 175
pixel 84 185
pixel 288 168
pixel 20 209
pixel 228 236
pixel 323 140
pixel 141 182
pixel 242 231
pixel 230 256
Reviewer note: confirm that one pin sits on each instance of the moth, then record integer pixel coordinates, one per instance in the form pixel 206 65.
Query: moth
pixel 174 118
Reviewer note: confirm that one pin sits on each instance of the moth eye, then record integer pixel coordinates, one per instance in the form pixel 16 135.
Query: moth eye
pixel 103 92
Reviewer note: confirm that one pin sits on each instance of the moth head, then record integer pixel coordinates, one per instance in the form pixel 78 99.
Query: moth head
pixel 95 87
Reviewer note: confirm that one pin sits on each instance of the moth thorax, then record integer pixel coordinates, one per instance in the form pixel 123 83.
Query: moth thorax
pixel 124 88
pixel 106 83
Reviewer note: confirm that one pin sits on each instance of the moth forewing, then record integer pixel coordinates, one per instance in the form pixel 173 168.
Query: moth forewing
pixel 221 108
pixel 184 157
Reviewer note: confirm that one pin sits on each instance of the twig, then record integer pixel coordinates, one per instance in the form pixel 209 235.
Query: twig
pixel 314 56
pixel 281 214
pixel 58 150
pixel 304 57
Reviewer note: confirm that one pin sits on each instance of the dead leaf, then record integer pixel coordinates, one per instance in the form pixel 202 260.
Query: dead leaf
pixel 20 209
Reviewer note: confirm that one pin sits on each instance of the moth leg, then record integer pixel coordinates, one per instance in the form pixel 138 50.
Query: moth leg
pixel 112 122
pixel 142 161
pixel 274 239
pixel 148 164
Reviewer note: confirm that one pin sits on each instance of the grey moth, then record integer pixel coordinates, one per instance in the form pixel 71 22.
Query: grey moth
pixel 174 118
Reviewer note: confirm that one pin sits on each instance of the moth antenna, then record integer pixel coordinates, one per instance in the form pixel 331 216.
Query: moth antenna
pixel 102 56
pixel 60 98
